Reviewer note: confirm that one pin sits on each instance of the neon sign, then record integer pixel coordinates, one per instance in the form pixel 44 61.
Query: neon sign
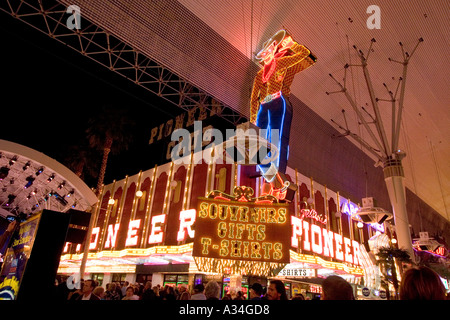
pixel 313 214
pixel 324 242
pixel 281 58
pixel 315 289
pixel 350 209
pixel 440 251
pixel 242 230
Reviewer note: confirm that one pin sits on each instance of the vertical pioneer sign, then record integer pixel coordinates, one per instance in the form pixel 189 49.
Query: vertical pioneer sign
pixel 240 232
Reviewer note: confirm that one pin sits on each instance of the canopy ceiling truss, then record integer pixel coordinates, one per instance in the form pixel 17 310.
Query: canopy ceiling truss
pixel 104 48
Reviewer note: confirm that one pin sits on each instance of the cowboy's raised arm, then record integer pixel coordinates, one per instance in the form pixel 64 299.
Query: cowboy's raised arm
pixel 299 60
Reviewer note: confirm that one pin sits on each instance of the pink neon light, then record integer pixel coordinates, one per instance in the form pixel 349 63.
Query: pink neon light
pixel 313 214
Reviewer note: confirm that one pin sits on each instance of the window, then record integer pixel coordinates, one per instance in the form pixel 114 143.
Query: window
pixel 142 201
pixel 176 279
pixel 356 232
pixel 118 277
pixel 98 277
pixel 177 192
pixel 143 278
pixel 222 179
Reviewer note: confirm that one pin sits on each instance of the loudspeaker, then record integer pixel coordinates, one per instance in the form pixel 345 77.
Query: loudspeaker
pixel 78 226
pixel 383 219
pixel 33 259
pixel 290 192
pixel 366 218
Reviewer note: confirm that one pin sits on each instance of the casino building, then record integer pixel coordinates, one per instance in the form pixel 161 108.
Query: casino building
pixel 188 222
pixel 145 229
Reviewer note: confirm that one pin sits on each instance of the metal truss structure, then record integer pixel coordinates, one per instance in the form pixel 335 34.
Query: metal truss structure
pixel 389 156
pixel 50 17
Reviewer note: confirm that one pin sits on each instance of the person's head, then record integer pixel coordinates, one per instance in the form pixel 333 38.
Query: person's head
pixel 298 296
pixel 279 42
pixel 421 283
pixel 336 288
pixel 256 290
pixel 183 288
pixel 88 286
pixel 148 285
pixel 239 295
pixel 212 289
pixel 199 288
pixel 130 291
pixel 99 292
pixel 112 287
pixel 276 291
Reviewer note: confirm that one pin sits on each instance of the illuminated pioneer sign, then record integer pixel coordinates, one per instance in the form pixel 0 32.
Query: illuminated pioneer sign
pixel 237 229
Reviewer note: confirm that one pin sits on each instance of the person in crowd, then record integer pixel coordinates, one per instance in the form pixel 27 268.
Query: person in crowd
pixel 124 288
pixel 256 291
pixel 239 296
pixel 119 290
pixel 88 288
pixel 140 289
pixel 169 293
pixel 336 288
pixel 421 283
pixel 147 292
pixel 212 290
pixel 111 292
pixel 184 293
pixel 99 292
pixel 156 290
pixel 276 291
pixel 129 294
pixel 62 291
pixel 298 296
pixel 227 297
pixel 198 293
pixel 75 293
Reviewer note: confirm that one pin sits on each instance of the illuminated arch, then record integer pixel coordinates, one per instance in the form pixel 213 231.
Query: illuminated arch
pixel 32 181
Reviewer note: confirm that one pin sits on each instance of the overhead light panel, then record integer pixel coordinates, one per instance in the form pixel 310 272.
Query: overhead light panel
pixel 13 160
pixel 11 198
pixel 51 178
pixel 30 180
pixel 26 166
pixel 60 199
pixel 40 170
pixel 4 171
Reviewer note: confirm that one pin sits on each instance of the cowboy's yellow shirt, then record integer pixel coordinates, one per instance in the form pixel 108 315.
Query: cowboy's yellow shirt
pixel 281 78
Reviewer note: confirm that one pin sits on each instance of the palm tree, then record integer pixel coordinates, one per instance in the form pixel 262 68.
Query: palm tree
pixel 109 131
pixel 82 160
pixel 390 258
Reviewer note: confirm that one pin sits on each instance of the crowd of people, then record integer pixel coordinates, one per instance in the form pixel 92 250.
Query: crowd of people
pixel 419 283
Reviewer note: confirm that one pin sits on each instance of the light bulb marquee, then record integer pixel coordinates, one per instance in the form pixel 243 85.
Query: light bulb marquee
pixel 240 233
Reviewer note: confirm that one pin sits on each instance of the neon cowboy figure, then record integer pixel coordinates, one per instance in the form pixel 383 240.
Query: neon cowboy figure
pixel 281 58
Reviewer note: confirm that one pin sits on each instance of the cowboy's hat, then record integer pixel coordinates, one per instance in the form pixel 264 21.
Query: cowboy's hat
pixel 278 37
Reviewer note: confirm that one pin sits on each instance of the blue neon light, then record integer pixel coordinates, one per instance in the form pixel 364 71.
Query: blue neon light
pixel 280 133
